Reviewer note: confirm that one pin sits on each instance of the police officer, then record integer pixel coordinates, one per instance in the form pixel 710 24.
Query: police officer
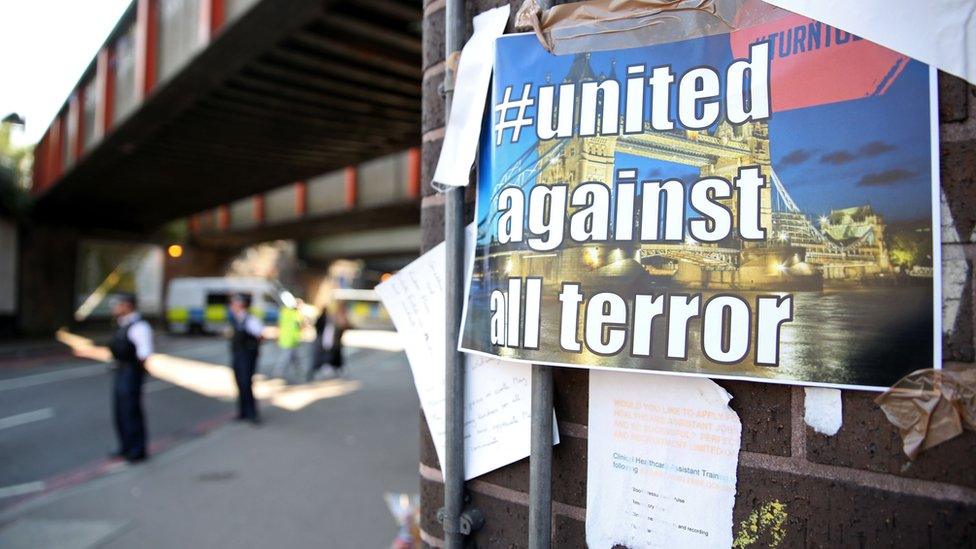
pixel 244 345
pixel 131 346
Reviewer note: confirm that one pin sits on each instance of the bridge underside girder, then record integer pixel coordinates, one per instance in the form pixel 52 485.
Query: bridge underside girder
pixel 290 90
pixel 383 217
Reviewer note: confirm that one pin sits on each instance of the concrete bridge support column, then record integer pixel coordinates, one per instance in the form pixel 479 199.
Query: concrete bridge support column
pixel 48 263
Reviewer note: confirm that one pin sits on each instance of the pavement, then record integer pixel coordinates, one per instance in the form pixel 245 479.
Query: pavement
pixel 314 474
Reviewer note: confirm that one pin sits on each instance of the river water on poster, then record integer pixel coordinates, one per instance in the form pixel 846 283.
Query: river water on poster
pixel 835 337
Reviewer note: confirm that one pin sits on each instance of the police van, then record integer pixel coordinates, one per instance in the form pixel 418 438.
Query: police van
pixel 200 304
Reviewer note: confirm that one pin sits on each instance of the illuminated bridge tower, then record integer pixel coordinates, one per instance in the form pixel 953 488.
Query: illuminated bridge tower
pixel 582 159
pixel 751 141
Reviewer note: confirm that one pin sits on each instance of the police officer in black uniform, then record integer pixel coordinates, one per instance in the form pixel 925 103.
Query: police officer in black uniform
pixel 131 346
pixel 245 342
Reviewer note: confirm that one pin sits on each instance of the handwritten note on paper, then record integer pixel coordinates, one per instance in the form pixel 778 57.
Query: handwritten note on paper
pixel 497 393
pixel 661 462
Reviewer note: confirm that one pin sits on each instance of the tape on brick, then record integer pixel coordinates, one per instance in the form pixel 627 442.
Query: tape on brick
pixel 470 93
pixel 930 407
pixel 823 410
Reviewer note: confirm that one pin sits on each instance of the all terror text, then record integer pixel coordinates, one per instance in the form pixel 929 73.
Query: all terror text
pixel 542 220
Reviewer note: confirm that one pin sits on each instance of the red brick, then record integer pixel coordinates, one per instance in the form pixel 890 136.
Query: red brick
pixel 428 454
pixel 868 441
pixel 571 395
pixel 433 29
pixel 957 340
pixel 514 476
pixel 432 225
pixel 569 533
pixel 954 97
pixel 433 101
pixel 833 513
pixel 430 152
pixel 431 499
pixel 569 471
pixel 765 412
pixel 506 524
pixel 958 169
pixel 478 6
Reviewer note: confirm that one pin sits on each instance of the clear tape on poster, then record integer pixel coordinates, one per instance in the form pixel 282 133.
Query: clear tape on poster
pixel 598 25
pixel 472 78
pixel 930 407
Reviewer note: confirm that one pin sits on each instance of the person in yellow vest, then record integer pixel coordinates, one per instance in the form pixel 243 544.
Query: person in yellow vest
pixel 289 335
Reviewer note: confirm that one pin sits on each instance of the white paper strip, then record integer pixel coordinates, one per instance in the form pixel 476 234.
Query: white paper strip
pixel 941 33
pixel 498 395
pixel 470 93
pixel 823 410
pixel 661 462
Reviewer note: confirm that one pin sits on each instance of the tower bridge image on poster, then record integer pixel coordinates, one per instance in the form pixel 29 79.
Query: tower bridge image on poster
pixel 802 254
pixel 852 256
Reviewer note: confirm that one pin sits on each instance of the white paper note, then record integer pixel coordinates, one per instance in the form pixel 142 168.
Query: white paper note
pixel 497 393
pixel 822 409
pixel 661 462
pixel 470 93
pixel 938 32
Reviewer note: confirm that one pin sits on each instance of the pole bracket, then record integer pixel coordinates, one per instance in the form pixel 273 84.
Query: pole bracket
pixel 470 521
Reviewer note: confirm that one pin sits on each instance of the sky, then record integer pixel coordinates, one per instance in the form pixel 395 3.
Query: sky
pixel 45 46
pixel 866 151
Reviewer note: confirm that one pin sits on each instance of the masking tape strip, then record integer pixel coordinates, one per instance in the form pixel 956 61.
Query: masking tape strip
pixel 931 406
pixel 471 82
pixel 596 25
pixel 823 410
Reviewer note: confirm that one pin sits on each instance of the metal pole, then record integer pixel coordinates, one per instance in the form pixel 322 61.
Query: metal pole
pixel 454 241
pixel 540 459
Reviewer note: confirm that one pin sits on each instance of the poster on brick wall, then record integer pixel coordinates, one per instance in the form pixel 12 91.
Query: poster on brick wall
pixel 759 204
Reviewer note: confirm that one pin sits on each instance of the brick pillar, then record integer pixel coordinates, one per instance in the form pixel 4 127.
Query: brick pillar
pixel 855 488
pixel 48 257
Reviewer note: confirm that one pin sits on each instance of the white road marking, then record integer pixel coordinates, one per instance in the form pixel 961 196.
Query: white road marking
pixel 26 417
pixel 51 377
pixel 21 489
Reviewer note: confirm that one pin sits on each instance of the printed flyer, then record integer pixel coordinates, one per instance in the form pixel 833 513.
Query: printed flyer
pixel 660 463
pixel 759 204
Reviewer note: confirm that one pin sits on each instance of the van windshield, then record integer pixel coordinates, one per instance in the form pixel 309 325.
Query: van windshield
pixel 218 298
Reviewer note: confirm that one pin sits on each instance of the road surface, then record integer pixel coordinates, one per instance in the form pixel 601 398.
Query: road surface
pixel 314 473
